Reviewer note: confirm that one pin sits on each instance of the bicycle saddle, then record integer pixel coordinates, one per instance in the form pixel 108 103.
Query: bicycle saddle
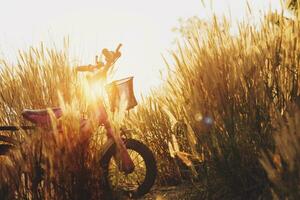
pixel 41 116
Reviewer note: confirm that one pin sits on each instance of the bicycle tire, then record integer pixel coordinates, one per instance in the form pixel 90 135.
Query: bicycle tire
pixel 150 163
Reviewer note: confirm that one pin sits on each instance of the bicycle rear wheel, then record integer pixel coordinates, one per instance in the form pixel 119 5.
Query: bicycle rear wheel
pixel 5 148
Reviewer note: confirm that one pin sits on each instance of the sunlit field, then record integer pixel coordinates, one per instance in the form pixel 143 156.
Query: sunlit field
pixel 225 119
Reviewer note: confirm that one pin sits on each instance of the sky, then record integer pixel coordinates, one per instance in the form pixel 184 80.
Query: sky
pixel 144 27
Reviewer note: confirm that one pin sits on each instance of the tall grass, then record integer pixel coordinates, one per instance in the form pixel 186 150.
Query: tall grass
pixel 243 82
pixel 66 162
pixel 222 111
pixel 282 165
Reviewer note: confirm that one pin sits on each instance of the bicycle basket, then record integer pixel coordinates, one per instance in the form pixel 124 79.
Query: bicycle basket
pixel 121 94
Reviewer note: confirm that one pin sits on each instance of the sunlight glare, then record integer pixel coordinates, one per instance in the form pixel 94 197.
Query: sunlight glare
pixel 93 90
pixel 144 27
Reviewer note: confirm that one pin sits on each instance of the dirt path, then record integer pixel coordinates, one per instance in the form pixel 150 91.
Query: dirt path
pixel 181 192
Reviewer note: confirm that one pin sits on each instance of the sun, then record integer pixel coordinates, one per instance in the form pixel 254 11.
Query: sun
pixel 144 27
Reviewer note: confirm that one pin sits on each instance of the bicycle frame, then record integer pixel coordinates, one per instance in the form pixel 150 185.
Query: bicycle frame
pixel 85 127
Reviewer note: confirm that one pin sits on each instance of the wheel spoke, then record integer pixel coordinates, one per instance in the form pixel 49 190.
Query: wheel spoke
pixel 131 181
pixel 135 157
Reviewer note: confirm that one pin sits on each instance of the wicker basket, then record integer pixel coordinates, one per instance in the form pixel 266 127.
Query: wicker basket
pixel 121 90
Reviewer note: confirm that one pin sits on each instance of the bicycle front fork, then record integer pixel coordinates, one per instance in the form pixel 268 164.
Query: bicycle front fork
pixel 126 164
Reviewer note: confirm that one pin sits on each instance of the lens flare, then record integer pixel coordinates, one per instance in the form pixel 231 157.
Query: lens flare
pixel 208 120
pixel 198 117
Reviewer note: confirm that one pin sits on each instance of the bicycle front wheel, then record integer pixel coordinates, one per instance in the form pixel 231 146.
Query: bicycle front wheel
pixel 137 183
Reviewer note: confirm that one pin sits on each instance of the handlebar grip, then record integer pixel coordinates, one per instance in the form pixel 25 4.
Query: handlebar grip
pixel 86 68
pixel 118 48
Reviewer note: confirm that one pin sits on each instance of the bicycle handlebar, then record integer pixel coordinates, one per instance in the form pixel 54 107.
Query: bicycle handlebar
pixel 110 58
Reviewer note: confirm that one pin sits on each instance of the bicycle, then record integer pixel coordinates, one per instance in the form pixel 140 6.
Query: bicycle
pixel 126 165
